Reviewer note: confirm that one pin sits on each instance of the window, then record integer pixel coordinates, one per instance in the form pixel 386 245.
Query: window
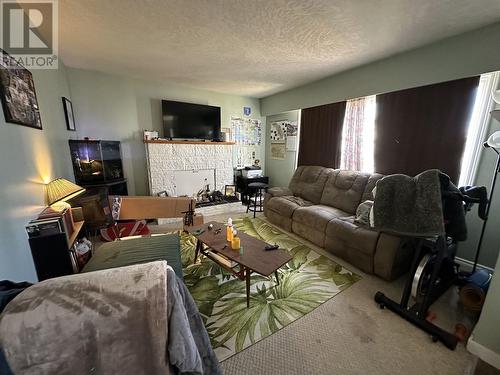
pixel 478 126
pixel 358 135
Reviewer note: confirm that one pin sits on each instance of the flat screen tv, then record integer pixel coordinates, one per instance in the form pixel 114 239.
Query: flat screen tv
pixel 190 121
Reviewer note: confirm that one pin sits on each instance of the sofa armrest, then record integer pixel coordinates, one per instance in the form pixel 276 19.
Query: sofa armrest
pixel 275 192
pixel 279 191
pixel 393 256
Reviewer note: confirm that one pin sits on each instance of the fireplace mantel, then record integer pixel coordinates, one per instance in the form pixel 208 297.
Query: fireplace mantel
pixel 166 141
pixel 164 158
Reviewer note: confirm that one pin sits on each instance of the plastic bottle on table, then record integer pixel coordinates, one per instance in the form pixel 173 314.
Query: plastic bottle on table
pixel 229 230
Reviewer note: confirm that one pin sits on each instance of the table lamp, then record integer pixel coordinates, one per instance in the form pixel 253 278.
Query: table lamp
pixel 60 190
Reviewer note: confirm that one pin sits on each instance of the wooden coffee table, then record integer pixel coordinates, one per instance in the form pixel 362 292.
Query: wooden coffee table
pixel 255 258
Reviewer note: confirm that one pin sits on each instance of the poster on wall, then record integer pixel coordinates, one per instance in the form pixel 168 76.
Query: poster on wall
pixel 278 131
pixel 291 143
pixel 246 131
pixel 278 151
pixel 292 128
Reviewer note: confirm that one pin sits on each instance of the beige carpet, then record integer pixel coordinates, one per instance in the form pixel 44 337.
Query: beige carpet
pixel 350 334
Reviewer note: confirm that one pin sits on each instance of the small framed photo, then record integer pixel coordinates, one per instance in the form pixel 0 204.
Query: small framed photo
pixel 230 191
pixel 68 113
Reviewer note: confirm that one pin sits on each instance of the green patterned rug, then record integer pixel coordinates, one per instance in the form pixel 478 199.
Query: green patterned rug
pixel 306 282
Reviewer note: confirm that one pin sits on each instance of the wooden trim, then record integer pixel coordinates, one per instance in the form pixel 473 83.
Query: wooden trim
pixel 486 354
pixel 78 227
pixel 160 141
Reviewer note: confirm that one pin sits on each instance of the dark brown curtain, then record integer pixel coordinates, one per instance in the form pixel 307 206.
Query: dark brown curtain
pixel 321 135
pixel 424 127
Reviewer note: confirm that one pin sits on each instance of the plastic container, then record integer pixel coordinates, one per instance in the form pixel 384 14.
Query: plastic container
pixel 229 230
pixel 235 242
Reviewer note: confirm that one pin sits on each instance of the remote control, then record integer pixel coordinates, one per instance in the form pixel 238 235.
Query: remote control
pixel 271 247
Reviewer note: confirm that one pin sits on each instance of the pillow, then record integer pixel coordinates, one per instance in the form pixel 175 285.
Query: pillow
pixel 363 213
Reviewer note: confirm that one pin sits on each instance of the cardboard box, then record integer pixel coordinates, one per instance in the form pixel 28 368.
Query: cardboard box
pixel 138 207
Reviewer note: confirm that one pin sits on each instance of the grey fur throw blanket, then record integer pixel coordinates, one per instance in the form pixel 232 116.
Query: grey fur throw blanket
pixel 138 319
pixel 105 322
pixel 410 206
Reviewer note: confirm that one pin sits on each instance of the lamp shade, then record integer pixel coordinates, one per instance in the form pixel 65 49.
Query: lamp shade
pixel 61 189
pixel 494 140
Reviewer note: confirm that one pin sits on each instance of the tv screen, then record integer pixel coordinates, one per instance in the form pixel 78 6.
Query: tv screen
pixel 187 120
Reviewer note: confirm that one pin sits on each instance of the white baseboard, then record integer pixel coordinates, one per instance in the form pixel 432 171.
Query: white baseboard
pixel 481 351
pixel 467 264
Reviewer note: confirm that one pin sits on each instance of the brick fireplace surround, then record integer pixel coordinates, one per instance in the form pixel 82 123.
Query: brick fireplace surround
pixel 164 158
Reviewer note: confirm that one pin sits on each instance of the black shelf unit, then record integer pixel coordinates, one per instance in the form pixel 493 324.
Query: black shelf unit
pixel 52 253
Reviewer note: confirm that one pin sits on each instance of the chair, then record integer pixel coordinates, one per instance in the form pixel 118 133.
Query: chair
pixel 256 197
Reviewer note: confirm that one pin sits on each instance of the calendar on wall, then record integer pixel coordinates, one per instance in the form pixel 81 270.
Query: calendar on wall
pixel 246 133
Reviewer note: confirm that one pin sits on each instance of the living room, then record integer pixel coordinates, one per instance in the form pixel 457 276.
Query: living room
pixel 318 104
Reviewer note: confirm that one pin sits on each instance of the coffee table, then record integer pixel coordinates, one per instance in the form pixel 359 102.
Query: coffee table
pixel 212 243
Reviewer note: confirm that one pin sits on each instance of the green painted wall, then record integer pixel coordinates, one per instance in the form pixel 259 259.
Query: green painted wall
pixel 280 171
pixel 485 338
pixel 457 57
pixel 486 333
pixel 119 108
pixel 28 158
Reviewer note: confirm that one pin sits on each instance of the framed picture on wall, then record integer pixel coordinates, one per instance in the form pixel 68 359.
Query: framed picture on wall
pixel 68 113
pixel 17 93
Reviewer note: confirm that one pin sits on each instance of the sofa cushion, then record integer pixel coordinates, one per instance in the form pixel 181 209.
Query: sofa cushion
pixel 358 237
pixel 317 237
pixel 317 216
pixel 308 182
pixel 279 191
pixel 285 206
pixel 343 190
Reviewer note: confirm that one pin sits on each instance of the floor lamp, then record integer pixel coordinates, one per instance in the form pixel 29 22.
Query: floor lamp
pixel 493 143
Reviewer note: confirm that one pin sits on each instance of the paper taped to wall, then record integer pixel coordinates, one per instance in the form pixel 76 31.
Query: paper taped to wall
pixel 278 151
pixel 291 143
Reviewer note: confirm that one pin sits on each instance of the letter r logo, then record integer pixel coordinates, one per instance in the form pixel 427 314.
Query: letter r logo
pixel 27 27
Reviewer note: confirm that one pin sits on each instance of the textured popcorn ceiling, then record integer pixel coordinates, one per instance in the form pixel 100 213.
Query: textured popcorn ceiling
pixel 253 47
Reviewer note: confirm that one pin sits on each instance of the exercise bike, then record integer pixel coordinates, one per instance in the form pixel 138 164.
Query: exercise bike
pixel 433 269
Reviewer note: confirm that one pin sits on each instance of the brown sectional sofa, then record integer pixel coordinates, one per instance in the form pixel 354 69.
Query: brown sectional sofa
pixel 320 205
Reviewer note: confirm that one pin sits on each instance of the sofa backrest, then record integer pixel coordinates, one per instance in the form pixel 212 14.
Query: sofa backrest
pixel 370 185
pixel 344 190
pixel 308 182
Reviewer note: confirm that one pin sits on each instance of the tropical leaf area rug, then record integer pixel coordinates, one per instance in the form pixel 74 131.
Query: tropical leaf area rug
pixel 306 282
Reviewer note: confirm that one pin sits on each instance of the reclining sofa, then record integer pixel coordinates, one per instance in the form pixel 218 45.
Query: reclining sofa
pixel 320 205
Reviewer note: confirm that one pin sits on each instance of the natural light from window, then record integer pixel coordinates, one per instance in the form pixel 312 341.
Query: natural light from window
pixel 478 126
pixel 358 135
